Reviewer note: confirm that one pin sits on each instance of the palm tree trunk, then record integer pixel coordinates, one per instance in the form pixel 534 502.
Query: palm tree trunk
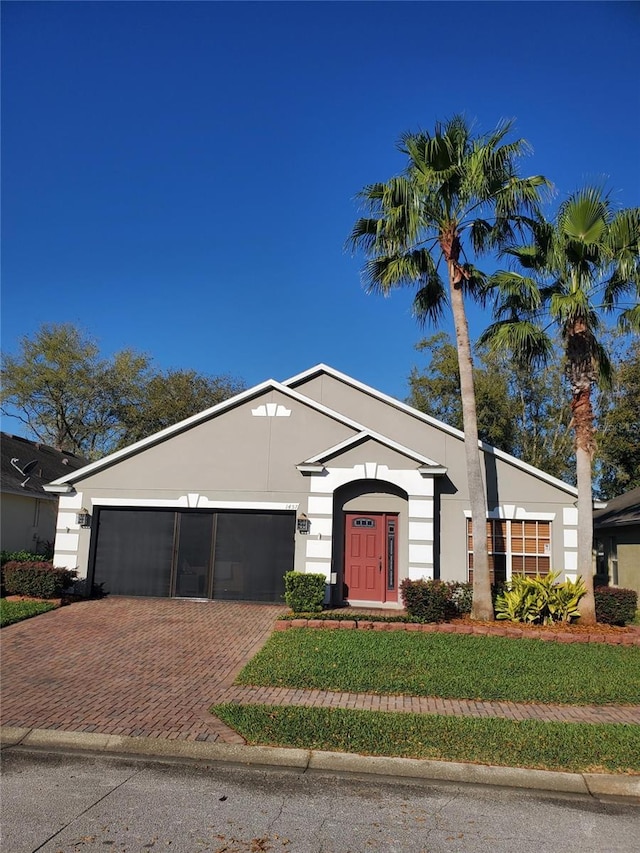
pixel 583 422
pixel 482 608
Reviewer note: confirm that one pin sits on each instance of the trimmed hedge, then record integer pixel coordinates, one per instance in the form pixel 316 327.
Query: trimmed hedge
pixel 304 593
pixel 435 600
pixel 425 601
pixel 615 606
pixel 38 579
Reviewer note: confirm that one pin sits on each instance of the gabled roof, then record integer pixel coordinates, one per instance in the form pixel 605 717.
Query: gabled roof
pixel 63 483
pixel 620 511
pixel 21 477
pixel 288 389
pixel 428 464
pixel 299 378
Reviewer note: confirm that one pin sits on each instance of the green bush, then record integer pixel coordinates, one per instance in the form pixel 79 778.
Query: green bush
pixel 20 557
pixel 461 597
pixel 615 606
pixel 426 600
pixel 304 593
pixel 38 579
pixel 540 600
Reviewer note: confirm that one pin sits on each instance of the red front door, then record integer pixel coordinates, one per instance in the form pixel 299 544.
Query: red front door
pixel 370 566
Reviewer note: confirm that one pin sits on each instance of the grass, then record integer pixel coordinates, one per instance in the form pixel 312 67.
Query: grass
pixel 527 743
pixel 448 665
pixel 16 611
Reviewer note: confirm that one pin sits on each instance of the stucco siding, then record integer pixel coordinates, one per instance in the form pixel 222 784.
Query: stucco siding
pixel 236 452
pixel 27 523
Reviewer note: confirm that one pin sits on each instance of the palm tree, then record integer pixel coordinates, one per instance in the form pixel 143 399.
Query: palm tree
pixel 584 263
pixel 456 187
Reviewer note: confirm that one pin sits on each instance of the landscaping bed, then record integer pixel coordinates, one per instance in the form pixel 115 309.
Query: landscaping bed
pixel 562 632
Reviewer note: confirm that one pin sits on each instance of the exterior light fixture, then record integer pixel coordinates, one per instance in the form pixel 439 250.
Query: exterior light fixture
pixel 304 525
pixel 83 518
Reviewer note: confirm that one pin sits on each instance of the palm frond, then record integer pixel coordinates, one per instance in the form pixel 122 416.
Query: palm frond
pixel 583 217
pixel 629 320
pixel 431 300
pixel 514 293
pixel 526 342
pixel 603 365
pixel 384 273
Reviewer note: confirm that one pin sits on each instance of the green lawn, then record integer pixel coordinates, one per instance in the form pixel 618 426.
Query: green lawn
pixel 16 611
pixel 448 665
pixel 527 743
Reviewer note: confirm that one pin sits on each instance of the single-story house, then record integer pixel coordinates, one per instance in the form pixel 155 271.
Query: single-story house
pixel 617 535
pixel 319 473
pixel 29 513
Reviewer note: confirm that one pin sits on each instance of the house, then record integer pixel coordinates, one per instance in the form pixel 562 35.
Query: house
pixel 617 535
pixel 28 517
pixel 319 473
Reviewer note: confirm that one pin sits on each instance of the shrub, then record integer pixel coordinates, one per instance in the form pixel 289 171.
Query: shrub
pixel 615 606
pixel 426 601
pixel 304 593
pixel 461 597
pixel 37 578
pixel 540 600
pixel 20 557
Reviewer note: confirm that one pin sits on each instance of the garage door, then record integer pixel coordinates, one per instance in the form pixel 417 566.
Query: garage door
pixel 223 555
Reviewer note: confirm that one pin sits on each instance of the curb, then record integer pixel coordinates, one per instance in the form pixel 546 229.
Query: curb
pixel 599 786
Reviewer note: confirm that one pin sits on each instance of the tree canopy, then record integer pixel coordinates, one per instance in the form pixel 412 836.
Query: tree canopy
pixel 523 412
pixel 68 396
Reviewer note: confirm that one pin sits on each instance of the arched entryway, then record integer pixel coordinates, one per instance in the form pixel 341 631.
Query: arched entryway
pixel 369 542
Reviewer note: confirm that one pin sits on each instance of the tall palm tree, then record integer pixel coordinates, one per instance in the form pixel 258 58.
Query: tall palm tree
pixel 583 264
pixel 456 188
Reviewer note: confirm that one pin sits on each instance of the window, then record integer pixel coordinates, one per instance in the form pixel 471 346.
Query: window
pixel 613 560
pixel 515 547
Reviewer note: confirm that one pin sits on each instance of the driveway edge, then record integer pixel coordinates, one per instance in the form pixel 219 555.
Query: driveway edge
pixel 597 785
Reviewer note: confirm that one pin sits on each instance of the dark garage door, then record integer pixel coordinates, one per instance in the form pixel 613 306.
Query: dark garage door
pixel 223 555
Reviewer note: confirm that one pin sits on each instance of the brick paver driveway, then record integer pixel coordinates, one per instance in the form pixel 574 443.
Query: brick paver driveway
pixel 129 666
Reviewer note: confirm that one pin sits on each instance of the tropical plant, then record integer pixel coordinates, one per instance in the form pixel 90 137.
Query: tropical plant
pixel 583 263
pixel 456 188
pixel 540 599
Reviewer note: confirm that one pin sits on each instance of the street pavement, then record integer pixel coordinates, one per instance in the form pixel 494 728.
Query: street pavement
pixel 57 803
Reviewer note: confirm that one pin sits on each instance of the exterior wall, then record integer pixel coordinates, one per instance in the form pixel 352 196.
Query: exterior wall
pixel 243 459
pixel 512 492
pixel 625 540
pixel 416 522
pixel 246 457
pixel 27 523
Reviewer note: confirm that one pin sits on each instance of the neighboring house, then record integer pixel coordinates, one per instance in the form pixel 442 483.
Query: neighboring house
pixel 318 474
pixel 28 513
pixel 617 535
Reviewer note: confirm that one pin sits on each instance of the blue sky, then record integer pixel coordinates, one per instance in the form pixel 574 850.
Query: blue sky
pixel 180 177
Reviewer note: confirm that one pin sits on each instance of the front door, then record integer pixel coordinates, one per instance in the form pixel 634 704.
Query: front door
pixel 370 570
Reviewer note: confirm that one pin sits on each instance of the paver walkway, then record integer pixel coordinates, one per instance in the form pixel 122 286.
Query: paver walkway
pixel 154 667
